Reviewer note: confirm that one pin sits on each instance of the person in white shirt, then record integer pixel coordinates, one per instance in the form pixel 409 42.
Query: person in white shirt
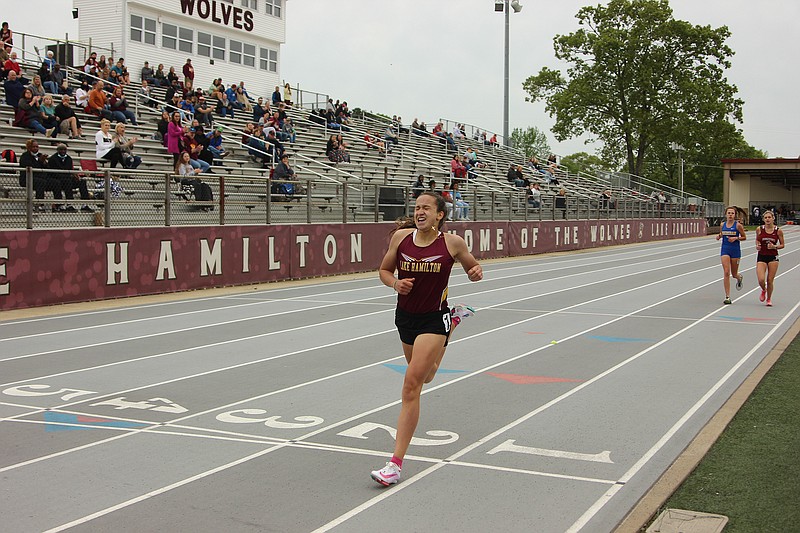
pixel 105 147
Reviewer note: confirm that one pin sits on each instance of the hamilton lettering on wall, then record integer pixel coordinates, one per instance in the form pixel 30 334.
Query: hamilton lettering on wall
pixel 219 12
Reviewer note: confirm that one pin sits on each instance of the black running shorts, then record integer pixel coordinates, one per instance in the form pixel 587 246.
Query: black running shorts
pixel 409 325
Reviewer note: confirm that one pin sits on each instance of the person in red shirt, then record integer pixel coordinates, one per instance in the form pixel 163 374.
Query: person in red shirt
pixel 769 239
pixel 423 256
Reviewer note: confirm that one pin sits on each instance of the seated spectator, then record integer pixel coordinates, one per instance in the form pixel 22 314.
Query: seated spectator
pixel 337 152
pixel 330 119
pixel 12 65
pixel 119 107
pixel 561 202
pixel 516 177
pixel 288 130
pixel 119 73
pixel 190 180
pixel 606 201
pixel 534 195
pixel 276 96
pixel 125 145
pixel 418 187
pixel 203 113
pixel 66 181
pixel 160 76
pixel 287 95
pixel 448 202
pixel 438 130
pixel 274 147
pixel 172 76
pixel 148 74
pixel 232 98
pixel 461 206
pixel 48 112
pixel 283 171
pixel 68 121
pixel 13 88
pixel 452 148
pixel 146 95
pixel 260 109
pixel 193 146
pixel 224 106
pixel 457 132
pixel 58 81
pixel 98 101
pixel 29 114
pixel 242 100
pixel 432 186
pixel 82 95
pixel 493 140
pixel 187 107
pixel 174 104
pixel 90 65
pixel 373 142
pixel 41 181
pixel 105 147
pixel 391 137
pixel 457 169
pixel 102 63
pixel 36 87
pixel 6 36
pixel 256 147
pixel 215 144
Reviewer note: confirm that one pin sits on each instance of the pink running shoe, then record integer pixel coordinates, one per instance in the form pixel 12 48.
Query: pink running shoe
pixel 769 303
pixel 388 475
pixel 763 296
pixel 459 312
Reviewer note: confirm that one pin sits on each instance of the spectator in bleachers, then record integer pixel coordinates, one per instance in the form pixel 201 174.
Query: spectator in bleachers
pixel 58 81
pixel 193 146
pixel 125 145
pixel 90 65
pixel 561 202
pixel 242 100
pixel 483 138
pixel 3 59
pixel 256 146
pixel 174 104
pixel 145 95
pixel 224 106
pixel 119 73
pixel 161 128
pixel 187 107
pixel 119 107
pixel 67 182
pixel 96 104
pixel 190 180
pixel 391 137
pixel 48 112
pixel 283 171
pixel 606 201
pixel 330 119
pixel 215 144
pixel 373 142
pixel 418 187
pixel 6 36
pixel 105 148
pixel 188 73
pixel 82 95
pixel 102 63
pixel 534 195
pixel 452 148
pixel 68 122
pixel 337 150
pixel 288 131
pixel 36 87
pixel 276 96
pixel 448 202
pixel 461 211
pixel 457 168
pixel 203 113
pixel 230 93
pixel 29 114
pixel 13 88
pixel 438 130
pixel 432 186
pixel 260 109
pixel 172 90
pixel 516 177
pixel 104 73
pixel 458 132
pixel 11 64
pixel 148 74
pixel 160 77
pixel 287 94
pixel 493 140
pixel 172 76
pixel 342 114
pixel 48 63
pixel 274 146
pixel 174 136
pixel 41 181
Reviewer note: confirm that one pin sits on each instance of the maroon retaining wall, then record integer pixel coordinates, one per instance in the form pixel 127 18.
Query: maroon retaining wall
pixel 45 267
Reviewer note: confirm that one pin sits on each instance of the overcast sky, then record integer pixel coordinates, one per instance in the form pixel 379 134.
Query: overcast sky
pixel 434 59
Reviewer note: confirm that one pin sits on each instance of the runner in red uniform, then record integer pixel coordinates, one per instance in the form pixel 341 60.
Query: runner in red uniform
pixel 422 256
pixel 769 239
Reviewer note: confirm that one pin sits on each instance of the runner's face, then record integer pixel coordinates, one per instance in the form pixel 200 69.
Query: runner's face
pixel 769 218
pixel 425 214
pixel 730 214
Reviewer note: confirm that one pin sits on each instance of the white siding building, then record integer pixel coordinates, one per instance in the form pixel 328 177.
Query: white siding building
pixel 237 40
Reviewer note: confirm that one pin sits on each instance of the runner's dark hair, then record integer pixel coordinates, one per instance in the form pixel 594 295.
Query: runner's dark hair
pixel 408 222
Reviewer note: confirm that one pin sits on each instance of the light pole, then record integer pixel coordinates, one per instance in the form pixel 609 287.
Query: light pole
pixel 678 148
pixel 503 5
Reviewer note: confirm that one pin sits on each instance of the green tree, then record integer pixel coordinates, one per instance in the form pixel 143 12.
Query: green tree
pixel 531 141
pixel 585 163
pixel 637 77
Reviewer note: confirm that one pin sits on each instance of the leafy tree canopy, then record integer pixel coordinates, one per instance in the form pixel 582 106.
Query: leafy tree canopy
pixel 637 77
pixel 531 141
pixel 581 162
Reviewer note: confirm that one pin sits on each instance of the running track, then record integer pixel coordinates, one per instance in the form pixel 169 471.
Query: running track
pixel 265 409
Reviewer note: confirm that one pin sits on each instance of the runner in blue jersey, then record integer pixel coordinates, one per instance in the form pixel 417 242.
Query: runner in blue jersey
pixel 731 232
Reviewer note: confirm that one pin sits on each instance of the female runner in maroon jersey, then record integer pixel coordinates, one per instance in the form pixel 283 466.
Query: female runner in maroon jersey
pixel 769 239
pixel 423 256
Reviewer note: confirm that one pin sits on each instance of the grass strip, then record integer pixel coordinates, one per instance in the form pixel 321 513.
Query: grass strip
pixel 752 473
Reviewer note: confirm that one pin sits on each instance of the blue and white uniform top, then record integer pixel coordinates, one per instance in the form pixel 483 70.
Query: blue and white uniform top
pixel 731 249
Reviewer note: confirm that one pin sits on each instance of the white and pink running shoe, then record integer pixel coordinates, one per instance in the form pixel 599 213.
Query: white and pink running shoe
pixel 388 475
pixel 763 296
pixel 459 312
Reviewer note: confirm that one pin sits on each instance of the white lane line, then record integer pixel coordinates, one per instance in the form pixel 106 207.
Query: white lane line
pixel 605 498
pixel 384 495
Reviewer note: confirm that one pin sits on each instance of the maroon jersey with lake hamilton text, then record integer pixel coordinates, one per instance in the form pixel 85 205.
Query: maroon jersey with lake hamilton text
pixel 430 267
